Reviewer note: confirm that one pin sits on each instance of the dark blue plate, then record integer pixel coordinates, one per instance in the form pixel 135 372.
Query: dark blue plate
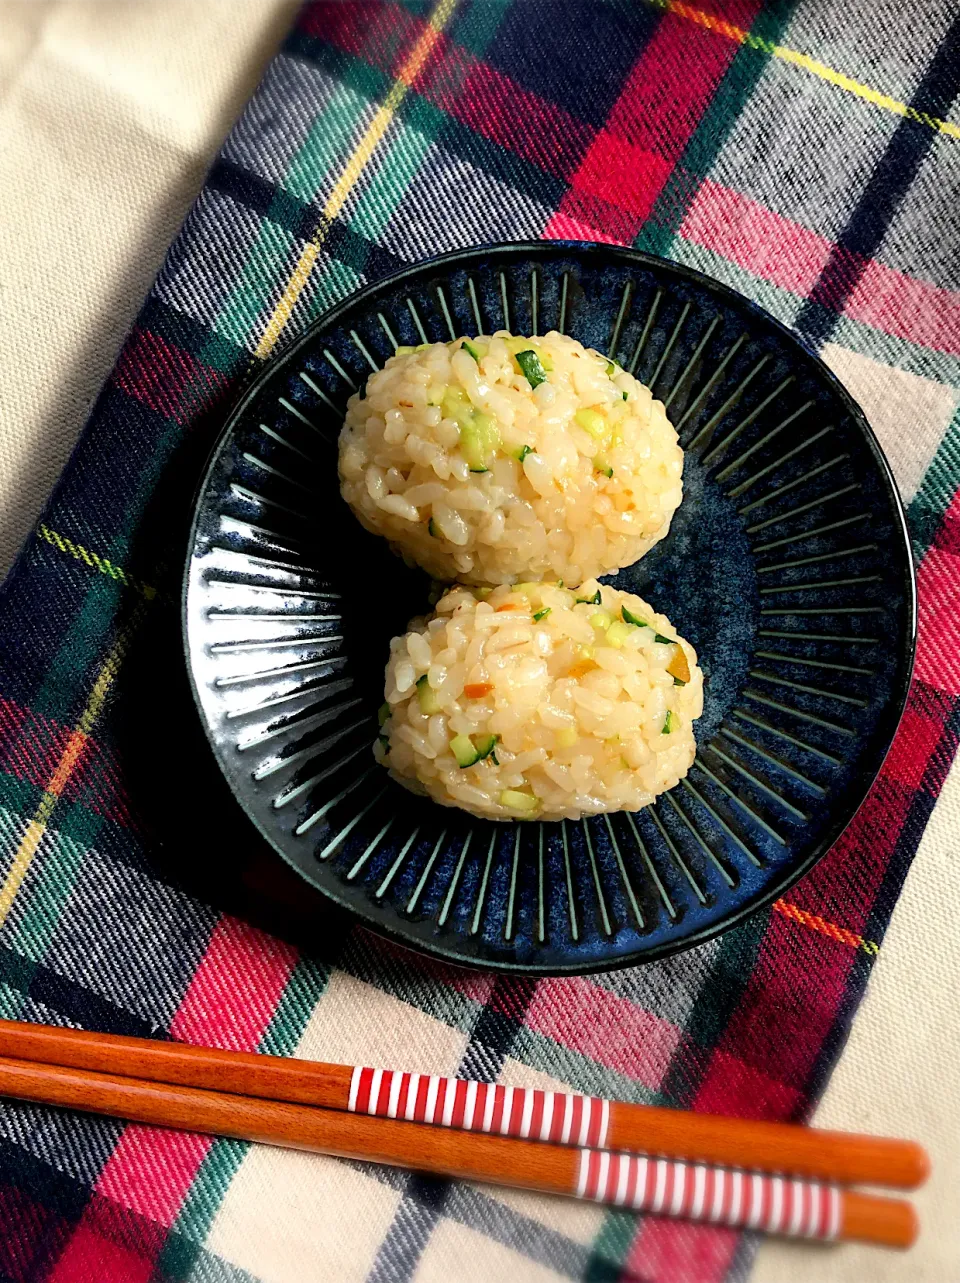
pixel 787 566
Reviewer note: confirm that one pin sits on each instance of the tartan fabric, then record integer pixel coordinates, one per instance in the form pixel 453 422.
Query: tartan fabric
pixel 805 154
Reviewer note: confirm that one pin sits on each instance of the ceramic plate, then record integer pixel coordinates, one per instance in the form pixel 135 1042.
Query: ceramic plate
pixel 787 566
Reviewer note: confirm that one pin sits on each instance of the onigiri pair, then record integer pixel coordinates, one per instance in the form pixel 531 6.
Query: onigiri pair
pixel 524 468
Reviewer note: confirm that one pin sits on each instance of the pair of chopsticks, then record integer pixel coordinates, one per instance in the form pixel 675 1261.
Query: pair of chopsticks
pixel 775 1177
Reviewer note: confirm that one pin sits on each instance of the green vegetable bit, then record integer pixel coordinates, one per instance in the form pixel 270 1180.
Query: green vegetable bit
pixel 542 614
pixel 517 801
pixel 383 714
pixel 384 742
pixel 469 752
pixel 532 368
pixel 432 529
pixel 522 453
pixel 667 722
pixel 468 347
pixel 479 441
pixel 591 421
pixel 628 618
pixel 427 698
pixel 464 750
pixel 611 369
pixel 624 395
pixel 678 682
pixel 590 601
pixel 666 641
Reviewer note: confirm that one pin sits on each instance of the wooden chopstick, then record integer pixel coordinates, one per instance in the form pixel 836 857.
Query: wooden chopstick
pixel 845 1158
pixel 771 1203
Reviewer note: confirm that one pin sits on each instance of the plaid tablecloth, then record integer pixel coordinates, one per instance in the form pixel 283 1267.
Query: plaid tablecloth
pixel 806 155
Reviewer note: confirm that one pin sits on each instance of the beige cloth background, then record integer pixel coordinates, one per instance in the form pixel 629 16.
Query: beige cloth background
pixel 110 111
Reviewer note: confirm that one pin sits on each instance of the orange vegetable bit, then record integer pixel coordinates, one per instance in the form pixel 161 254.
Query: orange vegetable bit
pixel 477 690
pixel 678 666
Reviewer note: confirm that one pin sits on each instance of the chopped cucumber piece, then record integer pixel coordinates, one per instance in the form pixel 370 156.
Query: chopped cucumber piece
pixel 567 737
pixel 590 601
pixel 384 743
pixel 591 421
pixel 542 614
pixel 611 369
pixel 479 440
pixel 617 633
pixel 405 350
pixel 600 465
pixel 482 593
pixel 629 618
pixel 522 453
pixel 601 620
pixel 518 344
pixel 427 697
pixel 677 681
pixel 515 801
pixel 664 641
pixel 624 395
pixel 667 722
pixel 469 753
pixel 468 347
pixel 432 529
pixel 532 368
pixel 456 404
pixel 464 750
pixel 384 713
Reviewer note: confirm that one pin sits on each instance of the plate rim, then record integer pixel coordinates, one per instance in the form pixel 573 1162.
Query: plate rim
pixel 250 387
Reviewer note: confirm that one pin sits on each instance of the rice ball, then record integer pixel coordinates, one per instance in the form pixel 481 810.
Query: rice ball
pixel 490 460
pixel 539 702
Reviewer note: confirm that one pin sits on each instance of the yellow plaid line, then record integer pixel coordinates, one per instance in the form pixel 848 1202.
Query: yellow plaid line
pixel 67 764
pixel 354 167
pixel 95 561
pixel 723 28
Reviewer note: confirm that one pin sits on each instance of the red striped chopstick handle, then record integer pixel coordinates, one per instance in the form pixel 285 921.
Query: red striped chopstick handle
pixel 525 1112
pixel 667 1186
pixel 588 1121
pixel 716 1195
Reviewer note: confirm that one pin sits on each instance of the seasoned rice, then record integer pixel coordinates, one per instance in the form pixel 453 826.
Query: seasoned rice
pixel 538 702
pixel 539 460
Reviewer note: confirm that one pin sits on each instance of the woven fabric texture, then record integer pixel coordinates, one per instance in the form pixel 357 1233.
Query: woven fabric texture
pixel 806 155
